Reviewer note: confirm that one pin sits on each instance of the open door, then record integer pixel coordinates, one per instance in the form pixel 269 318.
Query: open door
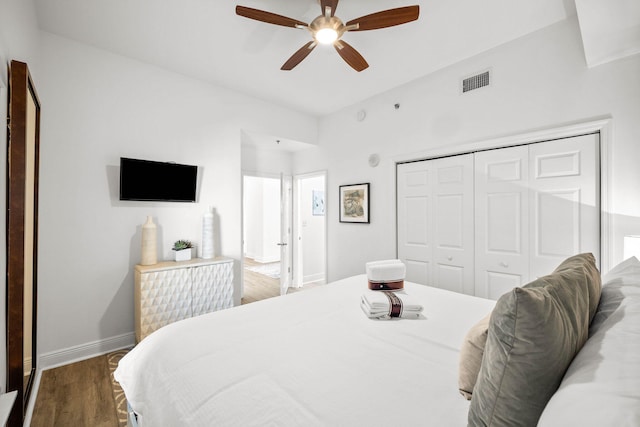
pixel 285 233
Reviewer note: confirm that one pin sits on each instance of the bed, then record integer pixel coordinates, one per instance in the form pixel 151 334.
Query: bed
pixel 314 359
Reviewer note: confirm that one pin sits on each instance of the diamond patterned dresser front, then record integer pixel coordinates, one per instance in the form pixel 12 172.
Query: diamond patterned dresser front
pixel 170 291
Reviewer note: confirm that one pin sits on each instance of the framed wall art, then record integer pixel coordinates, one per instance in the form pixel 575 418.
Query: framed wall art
pixel 317 207
pixel 354 203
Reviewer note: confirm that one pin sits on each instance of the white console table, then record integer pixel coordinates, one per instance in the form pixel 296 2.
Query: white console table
pixel 170 291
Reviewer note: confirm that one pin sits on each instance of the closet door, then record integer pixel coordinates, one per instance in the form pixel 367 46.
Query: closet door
pixel 435 222
pixel 487 222
pixel 536 205
pixel 502 220
pixel 413 213
pixel 453 223
pixel 565 201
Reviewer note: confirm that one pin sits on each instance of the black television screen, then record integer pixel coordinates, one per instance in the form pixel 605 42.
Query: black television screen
pixel 157 181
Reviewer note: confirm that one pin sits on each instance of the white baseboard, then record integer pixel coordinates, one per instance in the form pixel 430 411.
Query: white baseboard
pixel 314 278
pixel 85 351
pixel 267 259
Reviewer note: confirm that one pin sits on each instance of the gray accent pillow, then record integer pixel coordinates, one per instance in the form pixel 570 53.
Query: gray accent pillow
pixel 471 356
pixel 534 333
pixel 585 263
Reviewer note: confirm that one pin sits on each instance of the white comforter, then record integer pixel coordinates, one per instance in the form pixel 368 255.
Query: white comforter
pixel 307 359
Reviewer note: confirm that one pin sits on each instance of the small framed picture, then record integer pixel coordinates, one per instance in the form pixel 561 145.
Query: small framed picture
pixel 354 203
pixel 318 203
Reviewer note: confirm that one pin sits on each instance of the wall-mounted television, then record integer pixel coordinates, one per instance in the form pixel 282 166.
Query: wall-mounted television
pixel 148 180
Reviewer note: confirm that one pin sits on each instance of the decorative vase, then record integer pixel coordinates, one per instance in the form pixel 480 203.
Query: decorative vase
pixel 207 234
pixel 149 243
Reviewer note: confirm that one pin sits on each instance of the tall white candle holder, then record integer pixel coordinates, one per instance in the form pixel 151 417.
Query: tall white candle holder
pixel 207 234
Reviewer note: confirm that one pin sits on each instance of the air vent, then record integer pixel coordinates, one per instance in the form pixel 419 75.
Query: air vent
pixel 475 82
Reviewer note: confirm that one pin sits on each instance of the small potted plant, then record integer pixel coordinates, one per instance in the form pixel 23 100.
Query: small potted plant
pixel 182 249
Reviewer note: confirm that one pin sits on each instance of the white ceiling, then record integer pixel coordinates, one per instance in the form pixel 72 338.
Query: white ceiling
pixel 204 39
pixel 610 29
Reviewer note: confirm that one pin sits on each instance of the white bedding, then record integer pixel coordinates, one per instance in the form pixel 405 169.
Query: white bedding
pixel 307 359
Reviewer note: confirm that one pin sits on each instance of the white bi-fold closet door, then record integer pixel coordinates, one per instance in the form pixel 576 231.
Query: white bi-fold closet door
pixel 485 222
pixel 435 222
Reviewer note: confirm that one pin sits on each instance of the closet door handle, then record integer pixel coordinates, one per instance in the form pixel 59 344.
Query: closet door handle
pixel 450 258
pixel 281 244
pixel 504 264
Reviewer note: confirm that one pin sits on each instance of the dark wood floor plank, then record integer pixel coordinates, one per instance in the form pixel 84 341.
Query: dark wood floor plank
pixel 78 394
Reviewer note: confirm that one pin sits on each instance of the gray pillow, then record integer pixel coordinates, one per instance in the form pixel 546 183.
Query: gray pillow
pixel 585 263
pixel 534 333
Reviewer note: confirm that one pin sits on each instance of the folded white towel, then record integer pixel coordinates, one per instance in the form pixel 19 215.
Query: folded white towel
pixel 390 270
pixel 378 305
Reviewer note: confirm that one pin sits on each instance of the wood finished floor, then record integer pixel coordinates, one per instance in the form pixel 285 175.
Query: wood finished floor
pixel 76 395
pixel 258 286
pixel 79 394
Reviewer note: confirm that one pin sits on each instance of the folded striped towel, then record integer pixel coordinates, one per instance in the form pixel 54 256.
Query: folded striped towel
pixel 385 305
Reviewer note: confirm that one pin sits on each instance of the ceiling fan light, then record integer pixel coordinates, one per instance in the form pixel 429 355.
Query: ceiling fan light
pixel 326 35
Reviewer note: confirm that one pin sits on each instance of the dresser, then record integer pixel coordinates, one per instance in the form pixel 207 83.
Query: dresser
pixel 170 291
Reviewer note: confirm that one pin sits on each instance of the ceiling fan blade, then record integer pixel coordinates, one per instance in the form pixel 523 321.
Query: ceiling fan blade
pixel 268 17
pixel 333 4
pixel 297 57
pixel 350 55
pixel 386 18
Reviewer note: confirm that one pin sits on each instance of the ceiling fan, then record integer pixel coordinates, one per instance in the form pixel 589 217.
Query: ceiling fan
pixel 329 29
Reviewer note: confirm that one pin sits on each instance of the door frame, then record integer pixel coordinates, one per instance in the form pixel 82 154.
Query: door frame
pixel 298 271
pixel 603 126
pixel 242 224
pixel 286 232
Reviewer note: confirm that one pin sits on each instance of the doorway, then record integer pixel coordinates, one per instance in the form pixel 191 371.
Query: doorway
pixel 284 234
pixel 310 225
pixel 262 258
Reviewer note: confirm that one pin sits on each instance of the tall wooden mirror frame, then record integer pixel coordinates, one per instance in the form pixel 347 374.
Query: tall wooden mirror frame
pixel 23 142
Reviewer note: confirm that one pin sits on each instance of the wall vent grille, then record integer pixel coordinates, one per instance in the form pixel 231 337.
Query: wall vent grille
pixel 476 82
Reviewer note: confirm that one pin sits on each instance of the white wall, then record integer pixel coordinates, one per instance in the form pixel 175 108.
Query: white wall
pixel 540 81
pixel 19 35
pixel 97 107
pixel 252 202
pixel 312 229
pixel 262 218
pixel 260 161
pixel 270 220
pixel 19 38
